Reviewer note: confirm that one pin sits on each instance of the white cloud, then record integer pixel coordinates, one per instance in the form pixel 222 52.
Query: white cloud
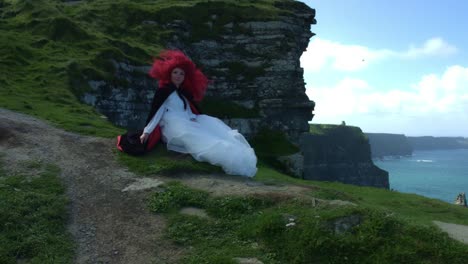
pixel 341 57
pixel 432 47
pixel 321 53
pixel 435 99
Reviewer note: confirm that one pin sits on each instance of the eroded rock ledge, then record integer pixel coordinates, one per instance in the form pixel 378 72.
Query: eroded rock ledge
pixel 253 64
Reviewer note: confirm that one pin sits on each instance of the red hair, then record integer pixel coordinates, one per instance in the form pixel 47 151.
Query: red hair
pixel 195 81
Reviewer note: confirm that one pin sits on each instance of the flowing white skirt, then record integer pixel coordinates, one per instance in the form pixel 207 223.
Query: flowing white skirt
pixel 211 140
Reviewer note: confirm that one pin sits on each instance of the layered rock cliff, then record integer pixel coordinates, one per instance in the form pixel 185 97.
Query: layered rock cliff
pixel 340 153
pixel 383 144
pixel 432 143
pixel 251 54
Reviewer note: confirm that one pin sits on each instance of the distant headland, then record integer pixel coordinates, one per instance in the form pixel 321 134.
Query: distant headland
pixel 385 144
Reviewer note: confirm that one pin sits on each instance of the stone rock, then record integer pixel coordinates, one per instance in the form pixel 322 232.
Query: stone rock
pixel 143 184
pixel 194 211
pixel 248 261
pixel 295 164
pixel 126 103
pixel 262 65
pixel 247 127
pixel 344 224
pixel 461 200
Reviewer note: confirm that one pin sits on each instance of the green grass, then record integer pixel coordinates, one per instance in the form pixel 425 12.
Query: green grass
pixel 257 226
pixel 34 69
pixel 321 129
pixel 161 161
pixel 33 217
pixel 330 129
pixel 411 207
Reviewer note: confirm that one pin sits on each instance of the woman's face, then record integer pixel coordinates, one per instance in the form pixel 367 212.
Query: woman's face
pixel 177 76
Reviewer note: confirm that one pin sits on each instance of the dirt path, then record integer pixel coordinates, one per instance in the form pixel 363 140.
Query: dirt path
pixel 455 231
pixel 108 216
pixel 109 226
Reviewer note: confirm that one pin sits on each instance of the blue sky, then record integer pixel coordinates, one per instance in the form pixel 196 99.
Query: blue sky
pixel 397 66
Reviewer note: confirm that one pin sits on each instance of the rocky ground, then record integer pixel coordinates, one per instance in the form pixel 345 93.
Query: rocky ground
pixel 109 219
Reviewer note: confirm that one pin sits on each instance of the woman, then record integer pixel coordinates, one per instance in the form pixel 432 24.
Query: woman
pixel 174 111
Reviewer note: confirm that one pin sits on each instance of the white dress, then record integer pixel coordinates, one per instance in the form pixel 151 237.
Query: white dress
pixel 204 137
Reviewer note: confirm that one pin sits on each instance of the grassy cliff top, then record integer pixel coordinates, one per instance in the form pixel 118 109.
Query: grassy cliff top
pixel 342 132
pixel 50 48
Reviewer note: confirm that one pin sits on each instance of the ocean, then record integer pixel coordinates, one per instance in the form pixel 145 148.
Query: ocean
pixel 440 174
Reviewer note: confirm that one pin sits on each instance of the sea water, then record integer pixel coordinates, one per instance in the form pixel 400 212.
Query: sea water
pixel 440 174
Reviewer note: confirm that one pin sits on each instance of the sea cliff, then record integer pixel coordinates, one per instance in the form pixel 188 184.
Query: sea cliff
pixel 384 144
pixel 433 143
pixel 340 153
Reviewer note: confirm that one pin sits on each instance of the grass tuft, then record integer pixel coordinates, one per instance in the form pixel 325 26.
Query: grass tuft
pixel 290 231
pixel 176 196
pixel 32 218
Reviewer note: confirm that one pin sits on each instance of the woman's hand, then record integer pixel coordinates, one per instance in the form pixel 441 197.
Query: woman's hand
pixel 144 137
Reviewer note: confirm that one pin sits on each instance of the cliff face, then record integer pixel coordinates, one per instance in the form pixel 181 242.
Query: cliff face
pixel 100 52
pixel 251 55
pixel 341 153
pixel 432 143
pixel 383 144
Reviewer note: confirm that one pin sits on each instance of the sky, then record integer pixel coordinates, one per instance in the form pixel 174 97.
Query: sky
pixel 390 66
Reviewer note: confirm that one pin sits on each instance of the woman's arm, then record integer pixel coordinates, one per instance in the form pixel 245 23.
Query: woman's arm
pixel 153 123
